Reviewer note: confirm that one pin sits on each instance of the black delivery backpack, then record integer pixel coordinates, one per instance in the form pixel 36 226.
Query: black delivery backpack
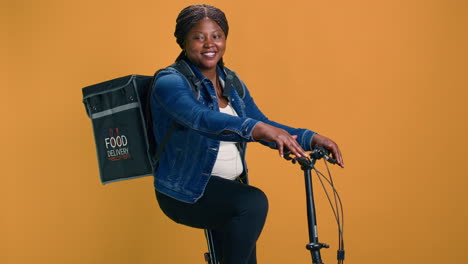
pixel 122 123
pixel 117 111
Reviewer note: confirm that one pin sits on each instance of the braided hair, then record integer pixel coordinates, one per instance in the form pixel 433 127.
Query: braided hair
pixel 190 16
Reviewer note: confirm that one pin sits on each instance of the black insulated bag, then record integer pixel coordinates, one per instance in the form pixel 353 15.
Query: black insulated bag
pixel 117 111
pixel 122 123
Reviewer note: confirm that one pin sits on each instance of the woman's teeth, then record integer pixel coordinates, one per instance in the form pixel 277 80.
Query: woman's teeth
pixel 209 54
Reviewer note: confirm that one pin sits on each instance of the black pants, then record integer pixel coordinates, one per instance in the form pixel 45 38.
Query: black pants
pixel 235 212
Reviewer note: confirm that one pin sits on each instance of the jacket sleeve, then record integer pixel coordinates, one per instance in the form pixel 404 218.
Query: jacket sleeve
pixel 304 136
pixel 174 95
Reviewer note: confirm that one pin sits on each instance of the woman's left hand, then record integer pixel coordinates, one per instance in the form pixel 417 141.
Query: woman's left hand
pixel 329 145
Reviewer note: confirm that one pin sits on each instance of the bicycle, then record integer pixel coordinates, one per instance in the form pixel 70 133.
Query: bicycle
pixel 314 246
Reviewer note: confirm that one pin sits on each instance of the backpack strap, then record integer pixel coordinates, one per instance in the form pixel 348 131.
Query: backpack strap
pixel 231 79
pixel 182 67
pixel 153 152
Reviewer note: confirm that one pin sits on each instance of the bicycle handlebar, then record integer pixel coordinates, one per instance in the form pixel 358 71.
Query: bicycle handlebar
pixel 317 153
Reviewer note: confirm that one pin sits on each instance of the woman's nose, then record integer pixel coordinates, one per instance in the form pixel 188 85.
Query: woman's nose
pixel 208 42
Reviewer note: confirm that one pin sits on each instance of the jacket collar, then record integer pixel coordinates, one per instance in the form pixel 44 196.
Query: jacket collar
pixel 200 75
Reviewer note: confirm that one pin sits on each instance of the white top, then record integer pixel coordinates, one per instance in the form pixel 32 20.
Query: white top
pixel 228 163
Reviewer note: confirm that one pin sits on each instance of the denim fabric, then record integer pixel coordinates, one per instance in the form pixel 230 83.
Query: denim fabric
pixel 187 161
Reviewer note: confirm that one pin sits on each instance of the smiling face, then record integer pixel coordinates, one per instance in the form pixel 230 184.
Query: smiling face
pixel 205 44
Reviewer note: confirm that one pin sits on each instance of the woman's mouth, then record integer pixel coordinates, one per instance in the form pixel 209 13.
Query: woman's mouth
pixel 209 54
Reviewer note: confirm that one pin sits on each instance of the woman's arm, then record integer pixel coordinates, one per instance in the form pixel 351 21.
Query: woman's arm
pixel 174 95
pixel 276 135
pixel 295 139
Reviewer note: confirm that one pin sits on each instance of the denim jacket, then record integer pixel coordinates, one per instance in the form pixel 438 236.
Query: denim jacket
pixel 188 158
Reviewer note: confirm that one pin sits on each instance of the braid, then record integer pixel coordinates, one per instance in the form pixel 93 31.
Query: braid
pixel 190 16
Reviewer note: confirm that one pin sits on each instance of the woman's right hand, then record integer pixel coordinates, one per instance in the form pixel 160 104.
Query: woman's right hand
pixel 281 137
pixel 330 145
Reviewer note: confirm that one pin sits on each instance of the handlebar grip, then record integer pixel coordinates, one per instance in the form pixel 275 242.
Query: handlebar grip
pixel 331 160
pixel 323 152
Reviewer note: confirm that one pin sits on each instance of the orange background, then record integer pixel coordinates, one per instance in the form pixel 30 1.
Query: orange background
pixel 387 80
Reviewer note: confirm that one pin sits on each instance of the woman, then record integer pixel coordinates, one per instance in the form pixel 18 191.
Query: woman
pixel 196 181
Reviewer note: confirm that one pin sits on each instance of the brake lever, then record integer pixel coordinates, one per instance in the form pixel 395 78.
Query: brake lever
pixel 321 152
